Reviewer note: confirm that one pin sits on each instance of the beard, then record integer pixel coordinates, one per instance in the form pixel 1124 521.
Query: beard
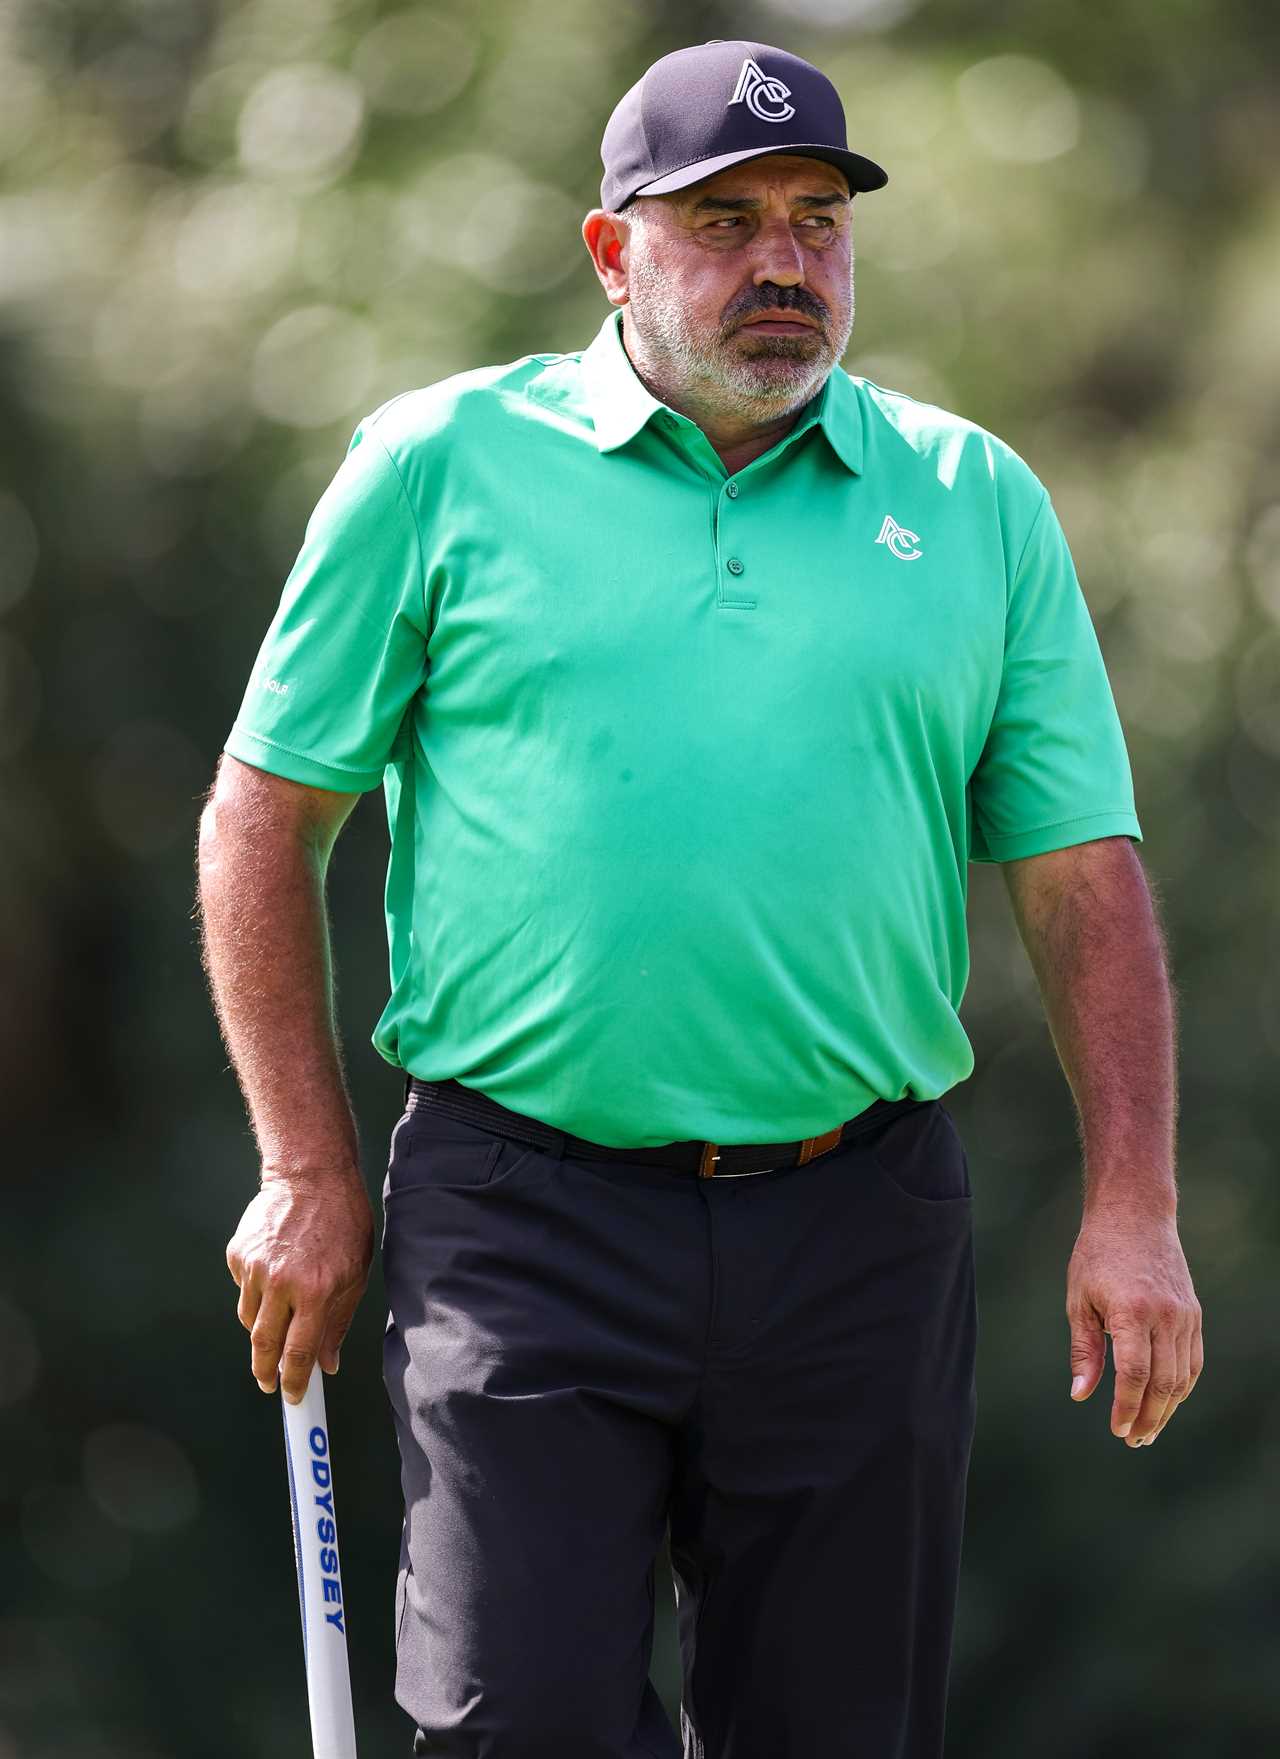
pixel 761 375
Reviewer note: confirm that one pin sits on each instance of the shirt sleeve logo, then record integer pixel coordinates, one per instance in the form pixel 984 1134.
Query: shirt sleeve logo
pixel 899 541
pixel 757 90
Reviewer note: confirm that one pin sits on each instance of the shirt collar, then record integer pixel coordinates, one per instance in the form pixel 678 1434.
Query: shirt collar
pixel 621 404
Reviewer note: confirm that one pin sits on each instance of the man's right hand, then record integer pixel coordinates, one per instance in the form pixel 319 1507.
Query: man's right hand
pixel 301 1257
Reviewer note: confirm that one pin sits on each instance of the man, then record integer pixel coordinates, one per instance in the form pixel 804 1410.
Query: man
pixel 695 672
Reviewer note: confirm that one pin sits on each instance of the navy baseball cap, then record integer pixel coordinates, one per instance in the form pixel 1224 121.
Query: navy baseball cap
pixel 699 109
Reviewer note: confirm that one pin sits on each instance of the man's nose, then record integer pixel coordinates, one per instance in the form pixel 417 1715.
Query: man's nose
pixel 778 256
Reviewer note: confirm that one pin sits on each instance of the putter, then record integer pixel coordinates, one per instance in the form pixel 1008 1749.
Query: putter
pixel 315 1548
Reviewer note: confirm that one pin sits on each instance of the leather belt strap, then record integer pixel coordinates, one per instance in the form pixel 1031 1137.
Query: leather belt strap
pixel 706 1160
pixel 815 1145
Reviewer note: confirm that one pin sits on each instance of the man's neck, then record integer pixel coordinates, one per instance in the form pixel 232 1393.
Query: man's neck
pixel 736 453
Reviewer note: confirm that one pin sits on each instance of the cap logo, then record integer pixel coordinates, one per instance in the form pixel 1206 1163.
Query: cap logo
pixel 757 90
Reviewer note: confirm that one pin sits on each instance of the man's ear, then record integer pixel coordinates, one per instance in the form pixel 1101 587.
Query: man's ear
pixel 606 235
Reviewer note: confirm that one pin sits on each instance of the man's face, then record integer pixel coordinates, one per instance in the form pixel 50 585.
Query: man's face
pixel 741 286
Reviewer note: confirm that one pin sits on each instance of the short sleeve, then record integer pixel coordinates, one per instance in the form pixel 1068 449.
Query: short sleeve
pixel 346 651
pixel 1054 770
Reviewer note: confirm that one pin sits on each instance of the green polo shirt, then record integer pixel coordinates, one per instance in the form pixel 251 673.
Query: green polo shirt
pixel 683 770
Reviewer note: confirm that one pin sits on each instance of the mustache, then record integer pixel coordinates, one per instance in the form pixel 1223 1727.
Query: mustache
pixel 797 299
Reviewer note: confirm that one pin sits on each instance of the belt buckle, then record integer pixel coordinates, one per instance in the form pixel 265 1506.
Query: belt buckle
pixel 707 1167
pixel 810 1149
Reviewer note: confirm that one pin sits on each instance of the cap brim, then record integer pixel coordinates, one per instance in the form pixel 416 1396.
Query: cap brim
pixel 863 174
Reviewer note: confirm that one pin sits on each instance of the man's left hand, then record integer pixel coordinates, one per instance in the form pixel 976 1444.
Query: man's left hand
pixel 1128 1276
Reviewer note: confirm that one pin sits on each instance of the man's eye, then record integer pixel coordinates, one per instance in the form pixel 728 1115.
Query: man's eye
pixel 824 221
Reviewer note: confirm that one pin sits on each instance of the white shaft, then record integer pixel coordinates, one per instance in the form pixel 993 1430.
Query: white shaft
pixel 315 1544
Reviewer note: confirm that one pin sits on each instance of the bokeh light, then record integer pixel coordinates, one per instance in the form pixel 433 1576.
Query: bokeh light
pixel 19 1355
pixel 301 124
pixel 1020 109
pixel 19 549
pixel 415 61
pixel 70 1542
pixel 139 1478
pixel 313 365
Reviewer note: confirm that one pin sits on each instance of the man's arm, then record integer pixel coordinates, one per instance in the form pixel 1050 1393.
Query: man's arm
pixel 1088 922
pixel 302 1251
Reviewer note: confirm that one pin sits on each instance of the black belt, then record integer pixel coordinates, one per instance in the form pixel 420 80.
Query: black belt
pixel 705 1159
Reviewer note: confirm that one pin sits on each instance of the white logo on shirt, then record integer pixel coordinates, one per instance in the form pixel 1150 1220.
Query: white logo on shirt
pixel 901 542
pixel 756 88
pixel 275 685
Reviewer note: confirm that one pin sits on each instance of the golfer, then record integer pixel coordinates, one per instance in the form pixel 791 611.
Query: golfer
pixel 695 672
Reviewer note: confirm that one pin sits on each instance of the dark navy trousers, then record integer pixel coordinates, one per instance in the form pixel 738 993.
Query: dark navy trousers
pixel 777 1369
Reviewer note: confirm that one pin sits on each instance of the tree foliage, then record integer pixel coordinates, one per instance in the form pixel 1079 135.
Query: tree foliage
pixel 228 228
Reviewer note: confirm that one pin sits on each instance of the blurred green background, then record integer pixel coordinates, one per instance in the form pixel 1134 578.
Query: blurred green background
pixel 229 228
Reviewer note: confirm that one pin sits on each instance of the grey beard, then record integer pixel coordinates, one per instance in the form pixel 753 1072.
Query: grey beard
pixel 781 373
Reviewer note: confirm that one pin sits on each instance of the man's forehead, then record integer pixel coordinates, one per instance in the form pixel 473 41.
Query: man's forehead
pixel 792 172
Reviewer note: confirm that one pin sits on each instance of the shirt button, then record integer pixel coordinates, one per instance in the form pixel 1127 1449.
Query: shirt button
pixel 731 489
pixel 733 565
